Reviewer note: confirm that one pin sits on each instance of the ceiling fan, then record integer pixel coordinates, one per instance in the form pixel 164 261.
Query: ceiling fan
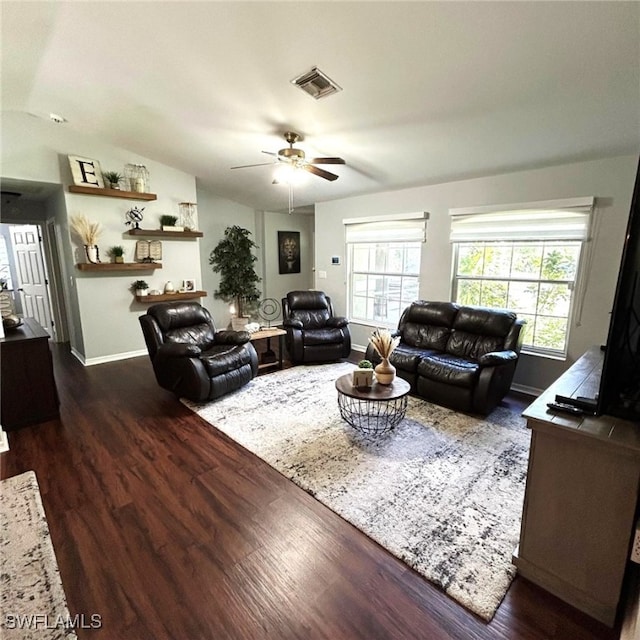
pixel 295 158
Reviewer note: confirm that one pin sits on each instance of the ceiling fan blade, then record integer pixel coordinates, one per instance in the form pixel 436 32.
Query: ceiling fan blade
pixel 320 172
pixel 246 166
pixel 270 153
pixel 327 161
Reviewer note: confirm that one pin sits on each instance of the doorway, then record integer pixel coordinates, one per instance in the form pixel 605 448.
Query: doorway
pixel 25 272
pixel 29 256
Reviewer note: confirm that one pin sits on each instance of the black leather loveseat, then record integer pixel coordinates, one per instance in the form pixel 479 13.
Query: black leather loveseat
pixel 460 357
pixel 190 357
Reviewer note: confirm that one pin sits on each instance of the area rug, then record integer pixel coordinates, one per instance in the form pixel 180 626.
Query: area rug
pixel 443 491
pixel 33 601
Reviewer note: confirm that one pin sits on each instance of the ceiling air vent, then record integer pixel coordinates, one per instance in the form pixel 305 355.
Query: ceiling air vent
pixel 316 84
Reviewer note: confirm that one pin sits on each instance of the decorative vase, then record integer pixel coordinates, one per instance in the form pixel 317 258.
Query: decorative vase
pixel 92 252
pixel 142 292
pixel 239 323
pixel 385 372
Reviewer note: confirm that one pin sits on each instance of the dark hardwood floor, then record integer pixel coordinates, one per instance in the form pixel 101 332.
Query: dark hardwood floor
pixel 168 529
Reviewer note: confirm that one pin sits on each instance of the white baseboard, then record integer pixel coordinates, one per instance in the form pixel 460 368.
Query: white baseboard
pixel 89 362
pixel 526 390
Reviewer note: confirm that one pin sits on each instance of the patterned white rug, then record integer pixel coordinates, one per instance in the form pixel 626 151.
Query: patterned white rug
pixel 33 601
pixel 443 491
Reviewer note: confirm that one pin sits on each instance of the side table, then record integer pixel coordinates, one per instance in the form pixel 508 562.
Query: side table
pixel 267 334
pixel 373 411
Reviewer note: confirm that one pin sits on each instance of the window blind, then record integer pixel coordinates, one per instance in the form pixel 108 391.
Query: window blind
pixel 547 222
pixel 409 228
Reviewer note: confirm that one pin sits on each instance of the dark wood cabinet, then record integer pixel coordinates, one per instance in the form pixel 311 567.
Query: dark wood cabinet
pixel 27 387
pixel 581 497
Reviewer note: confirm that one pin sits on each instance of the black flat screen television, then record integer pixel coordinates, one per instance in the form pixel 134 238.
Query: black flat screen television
pixel 619 393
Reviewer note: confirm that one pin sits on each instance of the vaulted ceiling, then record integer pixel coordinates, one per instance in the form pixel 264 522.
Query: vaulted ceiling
pixel 432 91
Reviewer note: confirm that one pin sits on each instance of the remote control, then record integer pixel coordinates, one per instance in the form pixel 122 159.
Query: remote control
pixel 565 408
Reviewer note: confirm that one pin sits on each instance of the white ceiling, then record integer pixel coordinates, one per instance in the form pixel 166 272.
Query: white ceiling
pixel 433 91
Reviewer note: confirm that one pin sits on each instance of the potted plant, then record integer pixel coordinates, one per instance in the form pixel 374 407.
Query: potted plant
pixel 363 375
pixel 168 223
pixel 113 178
pixel 140 288
pixel 88 232
pixel 117 253
pixel 233 259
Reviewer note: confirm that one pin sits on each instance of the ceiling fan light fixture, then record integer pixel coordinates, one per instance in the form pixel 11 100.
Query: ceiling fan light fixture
pixel 289 175
pixel 316 83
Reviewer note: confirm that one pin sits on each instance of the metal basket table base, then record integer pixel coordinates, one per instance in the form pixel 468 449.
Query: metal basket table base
pixel 372 417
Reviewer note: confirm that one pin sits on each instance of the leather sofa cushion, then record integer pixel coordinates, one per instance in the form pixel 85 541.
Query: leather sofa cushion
pixel 449 369
pixel 477 331
pixel 200 334
pixel 311 319
pixel 427 325
pixel 408 358
pixel 472 346
pixel 323 336
pixel 438 314
pixel 484 322
pixel 424 336
pixel 223 358
pixel 176 316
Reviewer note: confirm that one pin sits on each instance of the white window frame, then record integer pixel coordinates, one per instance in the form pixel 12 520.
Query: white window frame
pixel 486 229
pixel 390 230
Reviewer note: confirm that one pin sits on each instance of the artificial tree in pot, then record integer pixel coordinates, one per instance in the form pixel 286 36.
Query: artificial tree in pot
pixel 234 260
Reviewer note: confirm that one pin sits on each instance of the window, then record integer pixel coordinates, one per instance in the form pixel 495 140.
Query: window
pixel 383 266
pixel 525 260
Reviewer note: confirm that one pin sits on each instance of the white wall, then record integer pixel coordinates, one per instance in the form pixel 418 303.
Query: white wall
pixel 215 215
pixel 101 303
pixel 609 180
pixel 277 285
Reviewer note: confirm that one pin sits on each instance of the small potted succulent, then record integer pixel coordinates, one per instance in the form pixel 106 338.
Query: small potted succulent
pixel 140 288
pixel 363 375
pixel 117 253
pixel 113 178
pixel 168 223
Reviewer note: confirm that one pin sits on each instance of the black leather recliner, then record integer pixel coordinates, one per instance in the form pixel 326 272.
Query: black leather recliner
pixel 314 333
pixel 190 357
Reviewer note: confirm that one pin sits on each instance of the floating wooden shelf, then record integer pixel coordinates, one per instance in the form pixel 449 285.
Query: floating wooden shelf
pixel 112 193
pixel 118 266
pixel 180 295
pixel 165 234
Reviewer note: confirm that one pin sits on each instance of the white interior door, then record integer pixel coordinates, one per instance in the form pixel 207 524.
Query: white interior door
pixel 32 284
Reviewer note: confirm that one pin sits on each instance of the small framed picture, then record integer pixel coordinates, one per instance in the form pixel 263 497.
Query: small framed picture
pixel 188 286
pixel 288 251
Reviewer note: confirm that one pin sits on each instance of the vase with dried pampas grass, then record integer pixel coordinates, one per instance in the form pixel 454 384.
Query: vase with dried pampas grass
pixel 88 232
pixel 384 344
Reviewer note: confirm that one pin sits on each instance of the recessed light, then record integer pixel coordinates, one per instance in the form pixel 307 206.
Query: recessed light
pixel 54 117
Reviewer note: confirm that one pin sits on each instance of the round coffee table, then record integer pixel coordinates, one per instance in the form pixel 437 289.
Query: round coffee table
pixel 373 411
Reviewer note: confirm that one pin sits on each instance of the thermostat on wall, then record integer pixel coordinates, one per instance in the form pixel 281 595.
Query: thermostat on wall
pixel 335 259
